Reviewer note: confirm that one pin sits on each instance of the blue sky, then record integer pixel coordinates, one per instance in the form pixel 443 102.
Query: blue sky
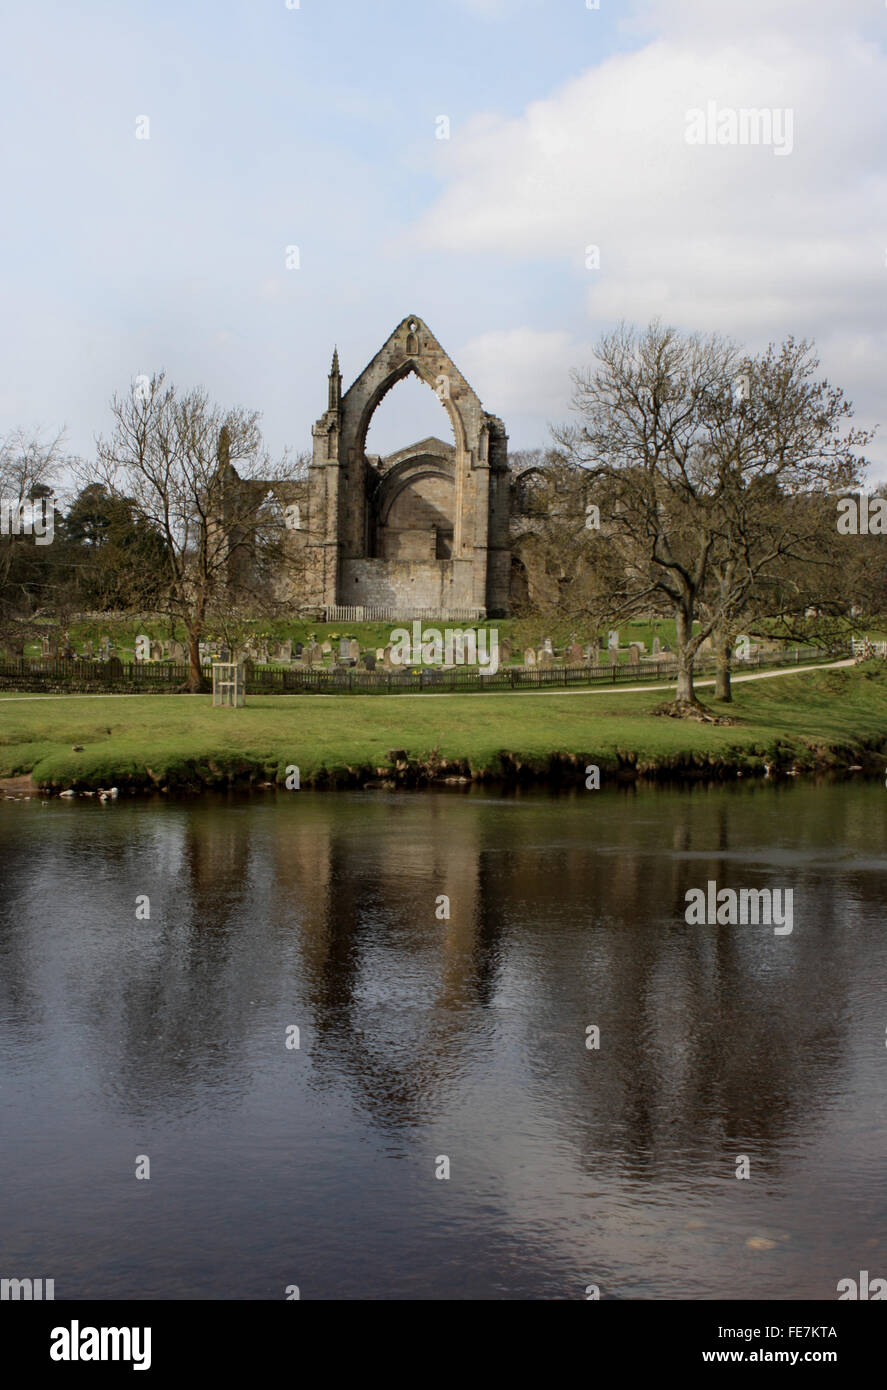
pixel 315 127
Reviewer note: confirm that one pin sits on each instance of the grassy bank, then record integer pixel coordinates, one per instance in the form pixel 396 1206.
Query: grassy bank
pixel 819 719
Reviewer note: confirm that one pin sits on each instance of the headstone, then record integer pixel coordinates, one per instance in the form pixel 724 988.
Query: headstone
pixel 506 651
pixel 354 649
pixel 544 658
pixel 326 647
pixel 529 657
pixel 156 651
pixel 614 656
pixel 547 646
pixel 262 653
pixel 177 653
pixel 308 655
pixel 574 655
pixel 44 646
pixel 105 648
pixel 613 641
pixel 369 662
pixel 634 653
pixel 285 650
pixel 380 653
pixel 589 653
pixel 386 657
pixel 657 646
pixel 316 652
pixel 143 648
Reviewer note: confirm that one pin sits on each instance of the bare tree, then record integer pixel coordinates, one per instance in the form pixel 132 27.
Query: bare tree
pixel 29 468
pixel 173 456
pixel 698 447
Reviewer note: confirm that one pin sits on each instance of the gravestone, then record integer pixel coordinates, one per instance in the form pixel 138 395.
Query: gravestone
pixel 262 653
pixel 386 657
pixel 285 651
pixel 613 655
pixel 547 646
pixel 634 653
pixel 369 662
pixel 529 657
pixel 156 651
pixel 44 647
pixel 105 648
pixel 317 653
pixel 657 646
pixel 326 648
pixel 506 651
pixel 574 655
pixel 613 641
pixel 177 653
pixel 307 657
pixel 143 648
pixel 354 649
pixel 544 659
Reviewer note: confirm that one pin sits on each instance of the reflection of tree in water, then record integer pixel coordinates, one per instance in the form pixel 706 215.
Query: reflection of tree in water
pixel 723 1039
pixel 719 1039
pixel 184 1017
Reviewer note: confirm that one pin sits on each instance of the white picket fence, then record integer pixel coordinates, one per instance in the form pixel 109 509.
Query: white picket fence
pixel 340 613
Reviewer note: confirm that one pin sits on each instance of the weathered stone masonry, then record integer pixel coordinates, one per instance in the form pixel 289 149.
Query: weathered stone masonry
pixel 427 527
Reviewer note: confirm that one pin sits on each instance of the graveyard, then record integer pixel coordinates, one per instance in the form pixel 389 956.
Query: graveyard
pixel 832 718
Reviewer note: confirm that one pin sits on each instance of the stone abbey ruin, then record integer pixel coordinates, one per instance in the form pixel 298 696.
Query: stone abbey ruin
pixel 435 529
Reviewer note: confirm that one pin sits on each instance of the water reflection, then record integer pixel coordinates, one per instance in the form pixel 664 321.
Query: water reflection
pixel 463 1036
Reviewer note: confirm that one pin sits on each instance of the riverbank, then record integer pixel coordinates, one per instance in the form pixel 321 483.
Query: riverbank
pixel 821 719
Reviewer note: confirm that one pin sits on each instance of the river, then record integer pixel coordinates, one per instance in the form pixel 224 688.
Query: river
pixel 429 1043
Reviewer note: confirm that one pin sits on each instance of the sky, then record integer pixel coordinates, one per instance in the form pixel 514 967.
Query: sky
pixel 316 126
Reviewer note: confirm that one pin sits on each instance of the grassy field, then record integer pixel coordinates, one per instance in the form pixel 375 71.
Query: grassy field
pixel 832 717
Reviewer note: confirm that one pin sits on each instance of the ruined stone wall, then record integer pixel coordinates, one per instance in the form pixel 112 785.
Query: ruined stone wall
pixel 407 583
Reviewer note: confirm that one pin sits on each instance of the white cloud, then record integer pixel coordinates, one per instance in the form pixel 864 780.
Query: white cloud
pixel 512 368
pixel 731 238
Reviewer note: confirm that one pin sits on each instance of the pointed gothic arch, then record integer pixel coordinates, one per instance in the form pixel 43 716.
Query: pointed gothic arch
pixel 475 570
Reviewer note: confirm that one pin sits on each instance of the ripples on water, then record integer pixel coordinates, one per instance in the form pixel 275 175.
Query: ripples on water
pixel 422 1038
